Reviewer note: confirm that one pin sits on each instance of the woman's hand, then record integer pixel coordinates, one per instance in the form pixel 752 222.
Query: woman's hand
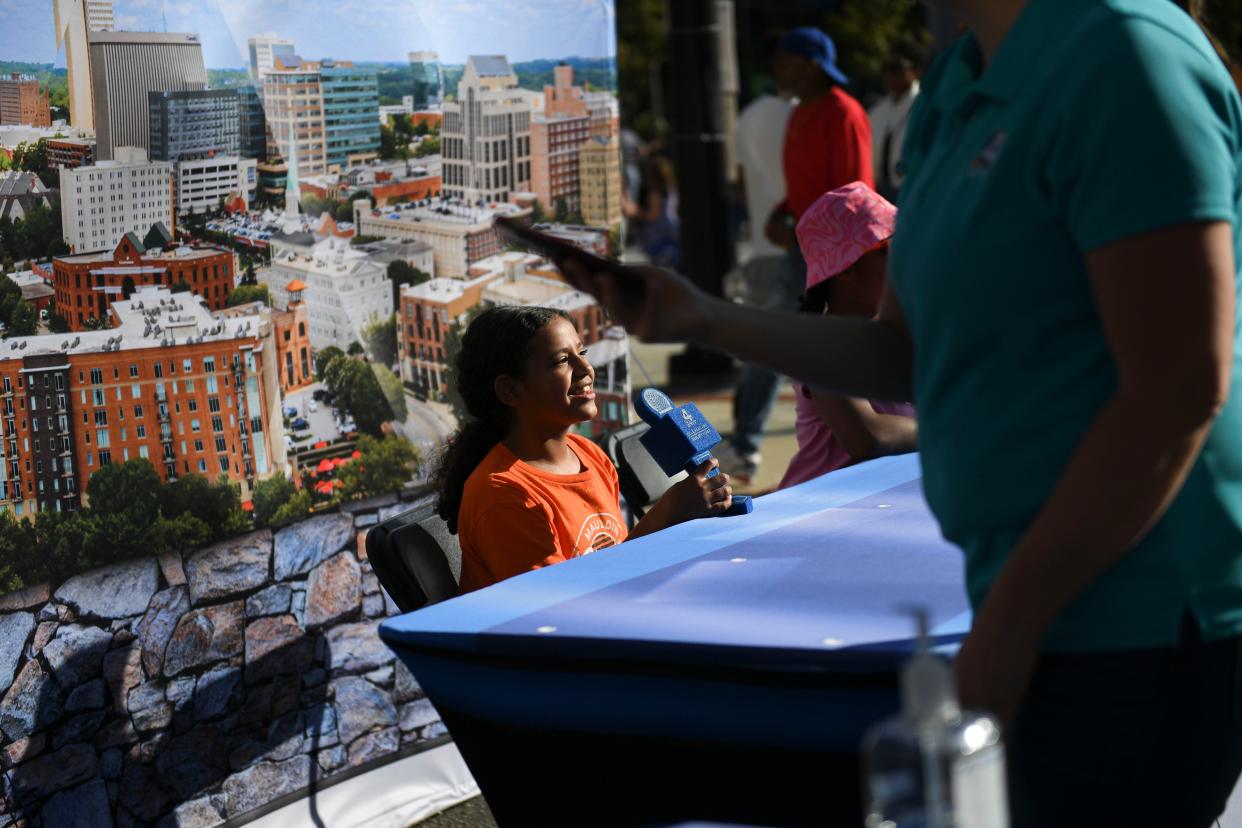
pixel 654 304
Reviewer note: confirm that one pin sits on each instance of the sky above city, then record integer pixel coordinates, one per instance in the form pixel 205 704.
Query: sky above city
pixel 360 30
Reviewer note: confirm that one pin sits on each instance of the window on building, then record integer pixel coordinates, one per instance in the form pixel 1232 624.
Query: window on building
pixel 159 370
pixel 198 446
pixel 96 376
pixel 192 404
pixel 195 425
pixel 101 417
pixel 141 431
pixel 217 424
pixel 105 458
pixel 133 370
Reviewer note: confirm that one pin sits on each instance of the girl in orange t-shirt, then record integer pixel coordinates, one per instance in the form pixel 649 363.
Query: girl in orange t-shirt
pixel 519 489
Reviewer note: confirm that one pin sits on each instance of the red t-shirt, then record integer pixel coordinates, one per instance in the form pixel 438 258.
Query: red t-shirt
pixel 515 517
pixel 827 145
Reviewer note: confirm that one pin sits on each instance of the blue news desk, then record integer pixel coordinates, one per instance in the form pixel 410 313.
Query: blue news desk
pixel 722 669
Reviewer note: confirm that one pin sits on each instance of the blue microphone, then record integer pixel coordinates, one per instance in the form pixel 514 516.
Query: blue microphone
pixel 681 438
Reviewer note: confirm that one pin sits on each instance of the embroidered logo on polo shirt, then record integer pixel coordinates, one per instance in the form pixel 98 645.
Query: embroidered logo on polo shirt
pixel 988 156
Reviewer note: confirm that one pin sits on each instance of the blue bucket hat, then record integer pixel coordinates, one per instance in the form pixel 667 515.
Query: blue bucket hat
pixel 812 43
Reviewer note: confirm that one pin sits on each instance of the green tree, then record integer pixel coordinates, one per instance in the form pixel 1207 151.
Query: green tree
pixel 325 356
pixel 343 212
pixel 98 323
pixel 355 349
pixel 867 34
pixel 537 214
pixel 562 211
pixel 185 531
pixel 244 293
pixel 218 504
pixel 10 298
pixel 452 348
pixel 381 339
pixel 421 129
pixel 25 320
pixel 180 286
pixel 130 489
pixel 58 324
pixel 385 465
pixel 401 272
pixel 269 496
pixel 393 390
pixel 249 278
pixel 427 146
pixel 356 389
pixel 296 508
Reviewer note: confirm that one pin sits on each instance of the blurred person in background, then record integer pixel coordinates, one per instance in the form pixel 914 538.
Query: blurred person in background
pixel 827 145
pixel 657 217
pixel 888 122
pixel 759 136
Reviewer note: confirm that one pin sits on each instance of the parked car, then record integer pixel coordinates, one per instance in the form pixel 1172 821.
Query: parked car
pixel 312 406
pixel 290 411
pixel 319 394
pixel 300 424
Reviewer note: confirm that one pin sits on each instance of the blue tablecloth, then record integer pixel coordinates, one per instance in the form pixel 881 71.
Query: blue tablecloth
pixel 722 669
pixel 816 581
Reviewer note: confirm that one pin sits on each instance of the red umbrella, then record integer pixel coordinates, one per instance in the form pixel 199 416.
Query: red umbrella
pixel 340 461
pixel 321 444
pixel 247 506
pixel 356 455
pixel 325 465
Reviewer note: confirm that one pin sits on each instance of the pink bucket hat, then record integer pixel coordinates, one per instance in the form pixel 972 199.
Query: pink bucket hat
pixel 840 227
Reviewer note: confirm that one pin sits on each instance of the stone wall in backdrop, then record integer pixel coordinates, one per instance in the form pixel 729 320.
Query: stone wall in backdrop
pixel 192 689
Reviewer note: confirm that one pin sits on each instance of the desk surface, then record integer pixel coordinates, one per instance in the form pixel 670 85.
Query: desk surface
pixel 816 578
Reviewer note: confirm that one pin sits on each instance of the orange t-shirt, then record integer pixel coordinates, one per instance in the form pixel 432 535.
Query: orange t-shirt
pixel 515 518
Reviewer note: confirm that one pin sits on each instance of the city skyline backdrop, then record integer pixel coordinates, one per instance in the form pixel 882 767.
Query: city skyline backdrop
pixel 520 30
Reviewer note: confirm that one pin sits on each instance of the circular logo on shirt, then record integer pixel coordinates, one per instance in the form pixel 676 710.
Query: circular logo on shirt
pixel 599 531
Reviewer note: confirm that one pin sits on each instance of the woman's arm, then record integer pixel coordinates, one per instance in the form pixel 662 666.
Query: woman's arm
pixel 850 356
pixel 864 432
pixel 1166 301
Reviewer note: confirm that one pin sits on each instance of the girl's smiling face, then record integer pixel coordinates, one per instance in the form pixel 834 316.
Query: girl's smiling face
pixel 557 386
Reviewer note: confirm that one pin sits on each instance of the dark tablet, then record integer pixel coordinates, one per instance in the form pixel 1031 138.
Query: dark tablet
pixel 558 251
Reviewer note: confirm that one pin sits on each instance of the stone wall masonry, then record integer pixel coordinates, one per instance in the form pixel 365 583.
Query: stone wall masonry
pixel 196 688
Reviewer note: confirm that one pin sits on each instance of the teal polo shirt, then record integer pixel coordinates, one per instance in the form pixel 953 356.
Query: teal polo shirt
pixel 1098 120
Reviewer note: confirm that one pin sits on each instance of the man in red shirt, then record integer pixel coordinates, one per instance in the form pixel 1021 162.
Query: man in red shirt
pixel 827 145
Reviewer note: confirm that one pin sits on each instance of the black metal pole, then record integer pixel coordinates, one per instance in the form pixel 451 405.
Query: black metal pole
pixel 697 126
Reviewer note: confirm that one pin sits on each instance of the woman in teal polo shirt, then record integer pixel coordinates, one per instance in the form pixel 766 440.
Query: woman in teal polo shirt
pixel 1062 311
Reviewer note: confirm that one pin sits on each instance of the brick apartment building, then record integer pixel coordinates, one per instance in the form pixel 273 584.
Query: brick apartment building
pixel 191 393
pixel 86 285
pixel 23 102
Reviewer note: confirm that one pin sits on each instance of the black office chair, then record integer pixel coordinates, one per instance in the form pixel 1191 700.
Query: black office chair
pixel 415 558
pixel 641 479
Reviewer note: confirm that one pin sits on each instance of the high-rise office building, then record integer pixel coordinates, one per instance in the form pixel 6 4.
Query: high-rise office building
pixel 329 107
pixel 485 141
pixel 125 68
pixel 556 134
pixel 599 165
pixel 194 124
pixel 428 80
pixel 99 16
pixel 253 123
pixel 70 21
pixel 23 102
pixel 264 49
pixel 99 204
pixel 350 103
pixel 293 105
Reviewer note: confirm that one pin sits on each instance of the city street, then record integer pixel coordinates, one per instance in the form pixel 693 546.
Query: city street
pixel 428 426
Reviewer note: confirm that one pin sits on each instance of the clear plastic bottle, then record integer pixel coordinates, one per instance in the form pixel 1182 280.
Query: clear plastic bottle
pixel 934 765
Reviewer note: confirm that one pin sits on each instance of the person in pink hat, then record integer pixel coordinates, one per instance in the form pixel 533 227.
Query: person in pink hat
pixel 844 236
